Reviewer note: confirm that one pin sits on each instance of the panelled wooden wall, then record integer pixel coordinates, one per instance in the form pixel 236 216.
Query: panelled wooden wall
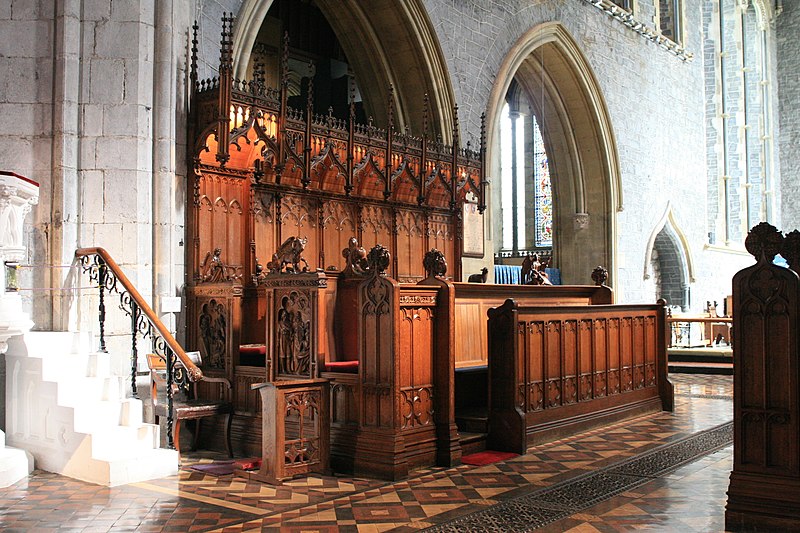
pixel 248 223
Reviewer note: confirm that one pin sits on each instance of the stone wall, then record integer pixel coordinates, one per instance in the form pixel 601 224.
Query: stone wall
pixel 788 28
pixel 101 123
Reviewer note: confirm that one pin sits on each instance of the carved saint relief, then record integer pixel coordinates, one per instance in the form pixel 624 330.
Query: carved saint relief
pixel 213 328
pixel 294 335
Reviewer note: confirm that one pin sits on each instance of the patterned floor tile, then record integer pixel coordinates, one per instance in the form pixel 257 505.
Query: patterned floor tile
pixel 690 498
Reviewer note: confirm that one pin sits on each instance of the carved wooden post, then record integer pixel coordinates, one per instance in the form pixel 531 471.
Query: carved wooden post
pixel 225 86
pixel 448 445
pixel 423 163
pixel 387 191
pixel 764 490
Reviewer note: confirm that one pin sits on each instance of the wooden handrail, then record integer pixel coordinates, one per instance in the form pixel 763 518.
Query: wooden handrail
pixel 195 374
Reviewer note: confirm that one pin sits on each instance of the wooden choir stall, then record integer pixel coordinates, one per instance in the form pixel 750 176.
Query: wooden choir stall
pixel 318 253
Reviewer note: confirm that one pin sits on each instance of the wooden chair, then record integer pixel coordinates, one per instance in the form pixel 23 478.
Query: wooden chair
pixel 185 405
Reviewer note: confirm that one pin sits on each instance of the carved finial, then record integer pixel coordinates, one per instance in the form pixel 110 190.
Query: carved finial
pixel 425 115
pixel 378 260
pixel 226 43
pixel 764 242
pixel 193 68
pixel 483 133
pixel 791 249
pixel 455 127
pixel 355 259
pixel 288 257
pixel 599 275
pixel 285 60
pixel 352 97
pixel 310 99
pixel 390 107
pixel 434 263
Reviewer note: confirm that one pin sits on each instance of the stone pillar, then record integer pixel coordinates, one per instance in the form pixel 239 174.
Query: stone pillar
pixel 17 195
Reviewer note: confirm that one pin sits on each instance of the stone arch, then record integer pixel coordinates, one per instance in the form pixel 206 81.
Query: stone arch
pixel 573 116
pixel 390 44
pixel 668 259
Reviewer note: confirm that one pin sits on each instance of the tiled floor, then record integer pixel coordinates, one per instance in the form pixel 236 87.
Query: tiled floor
pixel 690 498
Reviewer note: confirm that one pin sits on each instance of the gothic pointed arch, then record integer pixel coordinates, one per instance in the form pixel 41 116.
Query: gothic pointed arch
pixel 669 224
pixel 389 44
pixel 571 111
pixel 669 260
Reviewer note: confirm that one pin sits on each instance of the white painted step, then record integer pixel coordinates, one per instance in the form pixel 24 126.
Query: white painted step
pixel 15 464
pixel 112 472
pixel 71 413
pixel 119 442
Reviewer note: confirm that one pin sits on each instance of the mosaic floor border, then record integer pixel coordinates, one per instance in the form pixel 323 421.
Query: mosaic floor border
pixel 547 505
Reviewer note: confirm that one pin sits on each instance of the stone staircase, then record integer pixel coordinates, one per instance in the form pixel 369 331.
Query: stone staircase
pixel 68 410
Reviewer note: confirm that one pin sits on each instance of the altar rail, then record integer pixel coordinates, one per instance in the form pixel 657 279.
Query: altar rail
pixel 554 370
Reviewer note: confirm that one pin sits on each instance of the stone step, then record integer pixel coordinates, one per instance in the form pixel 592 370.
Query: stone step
pixel 123 441
pixel 701 368
pixel 15 464
pixel 121 469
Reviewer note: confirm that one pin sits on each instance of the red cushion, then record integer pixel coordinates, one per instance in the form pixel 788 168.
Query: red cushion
pixel 342 366
pixel 253 349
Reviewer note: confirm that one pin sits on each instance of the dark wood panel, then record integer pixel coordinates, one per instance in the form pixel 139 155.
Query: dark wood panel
pixel 550 377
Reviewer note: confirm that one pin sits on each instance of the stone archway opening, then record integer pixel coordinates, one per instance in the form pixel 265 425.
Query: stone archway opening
pixel 669 271
pixel 563 93
pixel 389 46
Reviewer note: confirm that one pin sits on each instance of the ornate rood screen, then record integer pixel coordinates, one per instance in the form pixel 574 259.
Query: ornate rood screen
pixel 265 171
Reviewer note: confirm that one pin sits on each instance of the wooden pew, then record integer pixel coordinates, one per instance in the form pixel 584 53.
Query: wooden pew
pixel 382 415
pixel 473 301
pixel 557 370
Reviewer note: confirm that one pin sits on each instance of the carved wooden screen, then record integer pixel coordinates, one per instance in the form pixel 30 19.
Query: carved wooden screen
pixel 219 202
pixel 339 223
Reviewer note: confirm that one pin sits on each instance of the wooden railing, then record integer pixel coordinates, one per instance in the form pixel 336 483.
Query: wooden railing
pixel 103 270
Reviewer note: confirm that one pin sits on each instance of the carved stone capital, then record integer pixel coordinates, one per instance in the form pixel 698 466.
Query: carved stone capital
pixel 580 221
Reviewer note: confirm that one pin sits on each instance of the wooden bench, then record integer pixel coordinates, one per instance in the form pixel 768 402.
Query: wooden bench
pixel 186 405
pixel 558 370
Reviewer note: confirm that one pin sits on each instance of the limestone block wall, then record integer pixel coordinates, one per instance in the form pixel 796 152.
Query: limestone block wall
pixel 787 28
pixel 93 107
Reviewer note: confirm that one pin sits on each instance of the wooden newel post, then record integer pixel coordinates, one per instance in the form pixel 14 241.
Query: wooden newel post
pixel 296 429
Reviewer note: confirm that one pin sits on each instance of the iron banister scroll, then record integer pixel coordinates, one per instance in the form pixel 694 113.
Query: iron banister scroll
pixel 193 371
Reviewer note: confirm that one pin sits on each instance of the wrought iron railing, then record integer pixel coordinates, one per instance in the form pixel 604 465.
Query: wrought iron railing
pixel 109 279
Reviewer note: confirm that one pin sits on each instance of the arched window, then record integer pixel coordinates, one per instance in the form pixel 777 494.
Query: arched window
pixel 739 113
pixel 527 199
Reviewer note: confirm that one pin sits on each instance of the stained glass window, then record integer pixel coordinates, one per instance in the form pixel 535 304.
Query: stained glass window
pixel 543 195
